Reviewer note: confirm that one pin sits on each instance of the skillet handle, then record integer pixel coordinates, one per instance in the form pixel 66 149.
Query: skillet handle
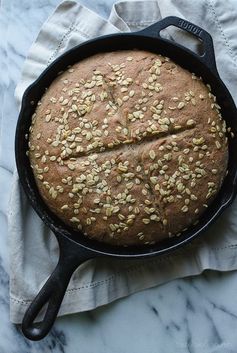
pixel 52 293
pixel 208 57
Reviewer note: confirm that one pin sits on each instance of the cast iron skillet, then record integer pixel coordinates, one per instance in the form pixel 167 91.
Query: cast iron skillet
pixel 74 247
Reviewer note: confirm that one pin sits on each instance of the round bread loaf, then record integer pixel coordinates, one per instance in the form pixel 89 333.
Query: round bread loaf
pixel 128 147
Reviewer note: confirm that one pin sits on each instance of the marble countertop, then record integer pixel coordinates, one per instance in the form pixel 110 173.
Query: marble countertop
pixel 196 315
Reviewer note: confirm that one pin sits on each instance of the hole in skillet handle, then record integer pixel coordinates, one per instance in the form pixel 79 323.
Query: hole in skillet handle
pixel 208 56
pixel 192 42
pixel 52 293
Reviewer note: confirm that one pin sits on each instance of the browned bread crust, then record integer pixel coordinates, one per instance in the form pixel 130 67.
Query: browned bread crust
pixel 128 147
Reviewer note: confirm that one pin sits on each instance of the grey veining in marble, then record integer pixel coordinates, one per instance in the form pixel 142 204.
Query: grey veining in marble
pixel 195 315
pixel 190 315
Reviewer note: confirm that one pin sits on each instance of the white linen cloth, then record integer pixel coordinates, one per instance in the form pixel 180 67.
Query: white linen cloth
pixel 33 250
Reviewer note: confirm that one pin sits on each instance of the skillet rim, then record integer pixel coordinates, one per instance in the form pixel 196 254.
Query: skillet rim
pixel 62 230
